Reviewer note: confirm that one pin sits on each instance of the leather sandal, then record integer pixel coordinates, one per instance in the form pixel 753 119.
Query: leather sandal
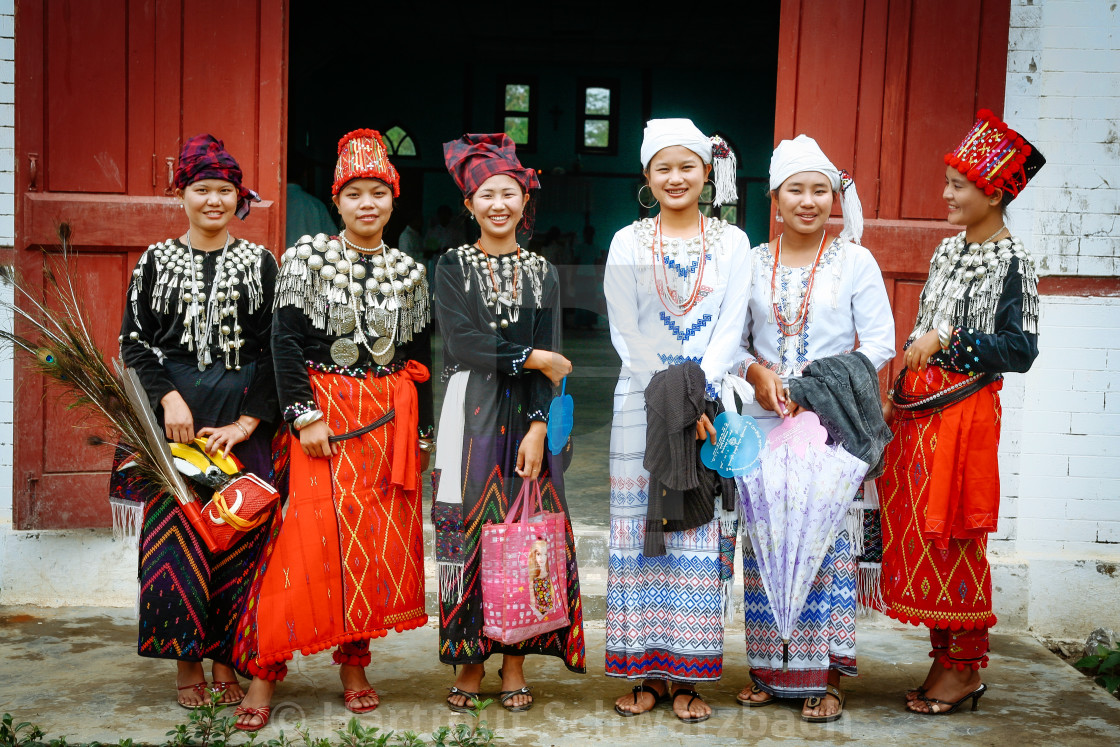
pixel 932 703
pixel 658 699
pixel 749 703
pixel 692 695
pixel 262 713
pixel 506 695
pixel 466 707
pixel 349 696
pixel 815 702
pixel 222 687
pixel 203 690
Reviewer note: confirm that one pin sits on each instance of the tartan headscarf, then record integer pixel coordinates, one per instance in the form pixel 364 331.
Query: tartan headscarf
pixel 472 159
pixel 205 157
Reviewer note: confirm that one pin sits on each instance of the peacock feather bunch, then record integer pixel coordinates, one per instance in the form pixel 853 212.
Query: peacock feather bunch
pixel 60 346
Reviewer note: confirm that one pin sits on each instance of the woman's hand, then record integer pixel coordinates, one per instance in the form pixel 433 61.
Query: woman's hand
pixel 531 451
pixel 768 389
pixel 228 436
pixel 705 429
pixel 552 365
pixel 918 354
pixel 888 410
pixel 178 423
pixel 314 439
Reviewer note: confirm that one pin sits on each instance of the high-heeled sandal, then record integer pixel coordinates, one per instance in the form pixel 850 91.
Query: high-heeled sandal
pixel 932 703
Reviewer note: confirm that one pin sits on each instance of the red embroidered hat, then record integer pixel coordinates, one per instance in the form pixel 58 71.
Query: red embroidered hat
pixel 205 157
pixel 993 156
pixel 362 155
pixel 472 159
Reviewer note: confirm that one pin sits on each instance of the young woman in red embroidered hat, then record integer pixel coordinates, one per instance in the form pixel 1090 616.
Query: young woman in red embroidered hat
pixel 352 355
pixel 196 330
pixel 977 319
pixel 498 308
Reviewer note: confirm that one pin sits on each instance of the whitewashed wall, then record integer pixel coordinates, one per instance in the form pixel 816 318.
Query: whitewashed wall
pixel 7 239
pixel 1059 539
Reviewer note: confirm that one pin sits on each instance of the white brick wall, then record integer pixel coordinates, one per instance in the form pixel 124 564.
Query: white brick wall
pixel 7 239
pixel 1063 94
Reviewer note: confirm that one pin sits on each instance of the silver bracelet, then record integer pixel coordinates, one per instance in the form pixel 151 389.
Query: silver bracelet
pixel 307 419
pixel 427 445
pixel 944 334
pixel 242 429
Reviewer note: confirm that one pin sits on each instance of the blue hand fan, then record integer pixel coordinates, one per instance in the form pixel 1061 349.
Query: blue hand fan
pixel 738 445
pixel 561 417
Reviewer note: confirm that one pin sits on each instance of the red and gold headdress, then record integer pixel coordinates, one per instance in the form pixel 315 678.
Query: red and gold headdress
pixel 362 155
pixel 993 156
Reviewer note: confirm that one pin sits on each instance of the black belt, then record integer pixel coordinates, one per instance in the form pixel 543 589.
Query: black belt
pixel 915 406
pixel 365 429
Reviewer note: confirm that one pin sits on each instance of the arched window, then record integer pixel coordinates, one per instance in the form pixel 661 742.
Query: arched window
pixel 400 143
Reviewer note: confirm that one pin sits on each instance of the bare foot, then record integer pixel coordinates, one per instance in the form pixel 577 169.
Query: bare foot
pixel 513 678
pixel 354 678
pixel 687 706
pixel 469 680
pixel 751 693
pixel 190 681
pixel 949 688
pixel 225 682
pixel 642 701
pixel 259 696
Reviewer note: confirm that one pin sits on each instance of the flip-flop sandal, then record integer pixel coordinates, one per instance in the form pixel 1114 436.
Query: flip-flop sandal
pixel 814 701
pixel 658 699
pixel 202 688
pixel 509 694
pixel 466 707
pixel 222 686
pixel 693 695
pixel 261 713
pixel 748 703
pixel 349 696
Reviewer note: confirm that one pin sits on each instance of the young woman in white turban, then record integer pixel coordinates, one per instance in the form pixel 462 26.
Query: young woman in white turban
pixel 676 290
pixel 814 293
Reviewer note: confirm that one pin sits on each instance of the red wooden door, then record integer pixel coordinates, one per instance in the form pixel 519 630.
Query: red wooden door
pixel 105 94
pixel 887 87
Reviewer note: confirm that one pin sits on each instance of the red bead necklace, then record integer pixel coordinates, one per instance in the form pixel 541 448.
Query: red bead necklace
pixel 795 327
pixel 657 249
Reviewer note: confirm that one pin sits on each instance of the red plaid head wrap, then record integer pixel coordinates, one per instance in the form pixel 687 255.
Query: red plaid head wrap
pixel 362 155
pixel 205 157
pixel 472 159
pixel 993 156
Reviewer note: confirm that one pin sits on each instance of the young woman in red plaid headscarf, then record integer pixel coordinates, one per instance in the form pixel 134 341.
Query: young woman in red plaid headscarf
pixel 352 354
pixel 197 330
pixel 499 315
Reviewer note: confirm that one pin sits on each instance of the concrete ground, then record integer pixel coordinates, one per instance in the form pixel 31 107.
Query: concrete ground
pixel 74 672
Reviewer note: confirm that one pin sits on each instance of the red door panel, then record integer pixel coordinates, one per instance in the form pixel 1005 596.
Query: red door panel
pixel 86 87
pixel 106 92
pixel 887 87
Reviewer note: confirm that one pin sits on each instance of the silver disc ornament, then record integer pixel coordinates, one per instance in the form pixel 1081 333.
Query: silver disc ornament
pixel 344 352
pixel 382 350
pixel 345 319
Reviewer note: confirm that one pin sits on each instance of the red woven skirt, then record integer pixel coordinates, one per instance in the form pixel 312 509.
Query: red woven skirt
pixel 939 499
pixel 347 564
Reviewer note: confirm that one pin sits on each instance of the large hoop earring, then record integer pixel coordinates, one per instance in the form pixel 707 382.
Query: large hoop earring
pixel 650 206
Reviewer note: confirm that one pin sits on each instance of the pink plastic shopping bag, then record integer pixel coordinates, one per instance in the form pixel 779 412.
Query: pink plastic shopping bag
pixel 524 571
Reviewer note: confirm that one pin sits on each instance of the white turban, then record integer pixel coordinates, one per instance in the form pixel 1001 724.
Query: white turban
pixel 663 133
pixel 797 155
pixel 803 154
